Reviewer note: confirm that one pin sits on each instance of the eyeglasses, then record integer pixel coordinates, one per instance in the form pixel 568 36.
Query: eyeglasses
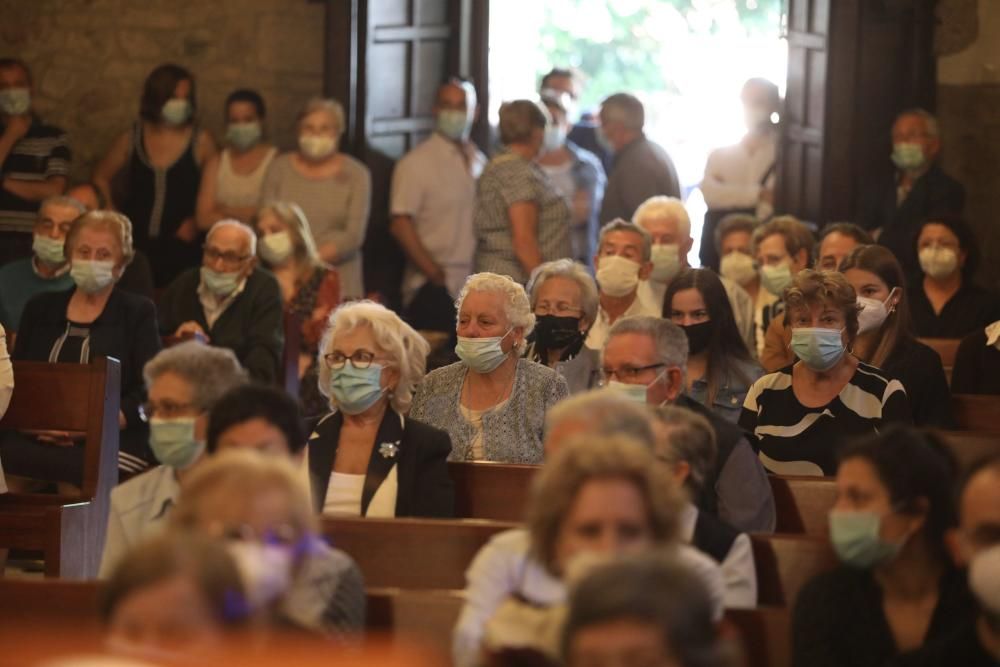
pixel 164 410
pixel 626 374
pixel 361 359
pixel 230 260
pixel 560 308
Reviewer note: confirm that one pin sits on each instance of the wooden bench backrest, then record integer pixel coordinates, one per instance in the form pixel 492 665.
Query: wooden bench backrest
pixel 412 553
pixel 785 563
pixel 497 491
pixel 72 397
pixel 977 413
pixel 969 447
pixel 73 603
pixel 802 503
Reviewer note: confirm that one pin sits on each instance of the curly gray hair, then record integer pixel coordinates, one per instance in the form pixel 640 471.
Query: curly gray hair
pixel 575 271
pixel 516 306
pixel 406 349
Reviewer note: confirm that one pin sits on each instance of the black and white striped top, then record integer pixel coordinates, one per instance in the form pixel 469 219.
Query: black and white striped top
pixel 798 440
pixel 40 154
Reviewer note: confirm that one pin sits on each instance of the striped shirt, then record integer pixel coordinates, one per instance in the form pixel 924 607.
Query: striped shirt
pixel 41 154
pixel 798 440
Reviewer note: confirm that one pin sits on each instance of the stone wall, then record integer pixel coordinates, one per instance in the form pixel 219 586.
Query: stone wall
pixel 968 44
pixel 90 58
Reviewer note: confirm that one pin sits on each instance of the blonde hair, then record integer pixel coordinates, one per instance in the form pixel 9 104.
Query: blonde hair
pixel 233 476
pixel 405 347
pixel 326 105
pixel 303 244
pixel 584 459
pixel 113 221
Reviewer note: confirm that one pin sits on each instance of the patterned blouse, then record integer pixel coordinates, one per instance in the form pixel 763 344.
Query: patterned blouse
pixel 312 303
pixel 512 432
pixel 507 180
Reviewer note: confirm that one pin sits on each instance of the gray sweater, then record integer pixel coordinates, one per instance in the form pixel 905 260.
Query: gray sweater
pixel 511 434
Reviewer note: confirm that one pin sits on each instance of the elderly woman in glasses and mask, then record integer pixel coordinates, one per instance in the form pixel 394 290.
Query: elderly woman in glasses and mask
pixel 365 458
pixel 492 402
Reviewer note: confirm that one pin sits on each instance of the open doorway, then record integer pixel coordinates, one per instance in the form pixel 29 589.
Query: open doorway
pixel 685 59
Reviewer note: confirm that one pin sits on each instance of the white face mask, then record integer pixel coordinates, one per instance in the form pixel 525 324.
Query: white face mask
pixel 617 275
pixel 873 313
pixel 317 147
pixel 938 262
pixel 265 569
pixel 555 137
pixel 984 582
pixel 275 248
pixel 666 259
pixel 738 267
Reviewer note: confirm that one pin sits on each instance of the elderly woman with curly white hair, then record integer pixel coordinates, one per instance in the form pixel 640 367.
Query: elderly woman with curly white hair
pixel 365 458
pixel 492 402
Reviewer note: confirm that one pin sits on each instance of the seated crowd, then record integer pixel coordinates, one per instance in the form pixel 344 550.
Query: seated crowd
pixel 263 399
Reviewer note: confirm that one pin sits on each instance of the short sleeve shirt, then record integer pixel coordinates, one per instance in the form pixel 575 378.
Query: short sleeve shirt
pixel 40 154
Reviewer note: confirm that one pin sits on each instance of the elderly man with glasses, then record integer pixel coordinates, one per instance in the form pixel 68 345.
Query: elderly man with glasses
pixel 229 302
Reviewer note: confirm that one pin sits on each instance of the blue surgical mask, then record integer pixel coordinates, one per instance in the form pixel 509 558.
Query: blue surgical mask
pixel 857 541
pixel 49 250
pixel 481 355
pixel 555 137
pixel 219 284
pixel 243 135
pixel 453 124
pixel 908 156
pixel 636 393
pixel 776 279
pixel 15 101
pixel 173 441
pixel 356 389
pixel 176 111
pixel 92 276
pixel 819 349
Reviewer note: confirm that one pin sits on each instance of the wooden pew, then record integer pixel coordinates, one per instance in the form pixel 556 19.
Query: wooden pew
pixel 412 553
pixel 764 635
pixel 497 491
pixel 68 530
pixel 976 413
pixel 427 617
pixel 969 447
pixel 802 503
pixel 785 563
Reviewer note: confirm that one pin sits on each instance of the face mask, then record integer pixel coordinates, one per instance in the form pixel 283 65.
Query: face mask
pixel 819 349
pixel 356 389
pixel 15 101
pixel 219 284
pixel 698 335
pixel 481 355
pixel 265 570
pixel 275 248
pixel 92 276
pixel 984 582
pixel 873 313
pixel 776 279
pixel 554 333
pixel 634 392
pixel 855 538
pixel 616 275
pixel 49 250
pixel 907 156
pixel 454 124
pixel 243 135
pixel 738 267
pixel 317 147
pixel 173 441
pixel 938 262
pixel 666 259
pixel 555 137
pixel 176 111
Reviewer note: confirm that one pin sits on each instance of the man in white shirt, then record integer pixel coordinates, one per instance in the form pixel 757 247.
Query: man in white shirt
pixel 669 225
pixel 433 198
pixel 622 261
pixel 740 178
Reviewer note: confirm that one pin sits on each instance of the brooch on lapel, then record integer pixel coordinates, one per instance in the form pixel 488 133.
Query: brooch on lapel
pixel 388 450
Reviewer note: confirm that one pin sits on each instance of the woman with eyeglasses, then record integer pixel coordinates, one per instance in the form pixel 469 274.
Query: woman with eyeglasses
pixel 492 402
pixel 365 458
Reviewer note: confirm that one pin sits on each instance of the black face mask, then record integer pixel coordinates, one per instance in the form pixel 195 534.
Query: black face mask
pixel 553 333
pixel 699 335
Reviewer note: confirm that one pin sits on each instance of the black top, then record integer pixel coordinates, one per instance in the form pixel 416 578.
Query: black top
pixel 641 170
pixel 971 308
pixel 125 330
pixel 933 193
pixel 727 437
pixel 919 368
pixel 977 366
pixel 42 153
pixel 795 439
pixel 960 648
pixel 251 326
pixel 713 536
pixel 838 619
pixel 424 487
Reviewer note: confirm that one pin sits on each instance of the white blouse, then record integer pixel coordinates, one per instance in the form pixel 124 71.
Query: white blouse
pixel 343 496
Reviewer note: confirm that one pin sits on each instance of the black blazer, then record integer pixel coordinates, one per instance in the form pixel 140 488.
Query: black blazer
pixel 421 452
pixel 933 193
pixel 126 330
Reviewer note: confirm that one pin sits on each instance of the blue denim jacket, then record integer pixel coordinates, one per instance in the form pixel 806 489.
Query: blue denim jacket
pixel 729 398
